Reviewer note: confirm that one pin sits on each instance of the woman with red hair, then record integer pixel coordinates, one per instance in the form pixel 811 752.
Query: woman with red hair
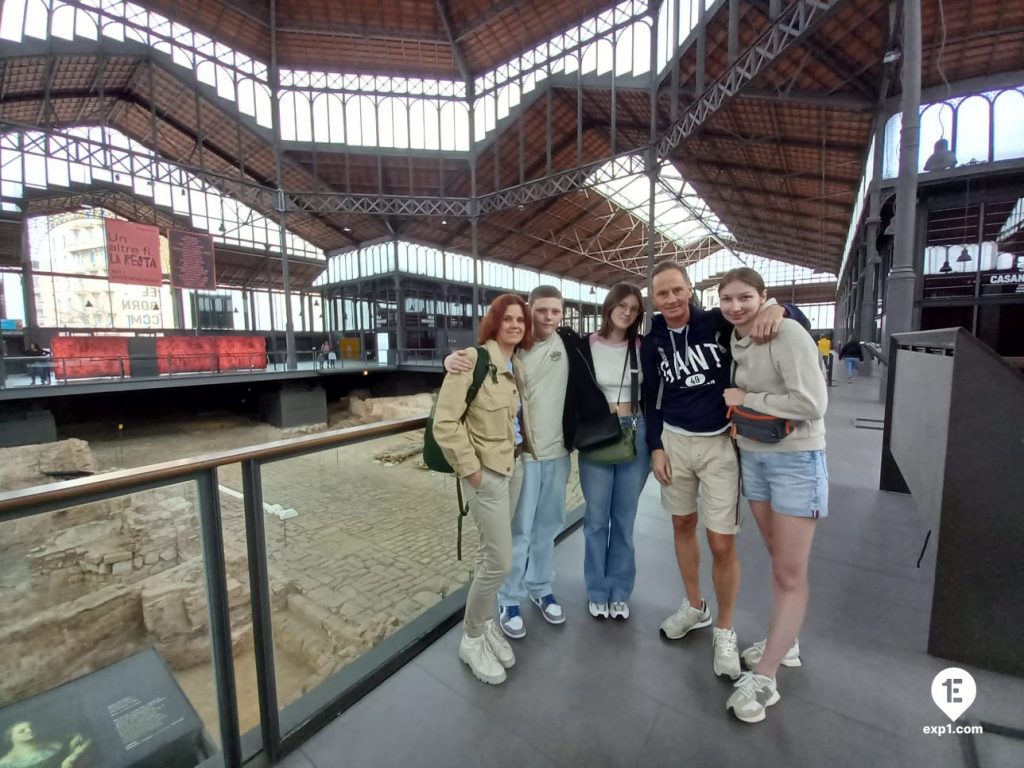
pixel 483 440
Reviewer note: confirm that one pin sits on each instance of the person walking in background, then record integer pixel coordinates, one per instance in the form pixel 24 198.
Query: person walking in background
pixel 825 350
pixel 854 356
pixel 482 441
pixel 325 350
pixel 612 491
pixel 39 370
pixel 785 481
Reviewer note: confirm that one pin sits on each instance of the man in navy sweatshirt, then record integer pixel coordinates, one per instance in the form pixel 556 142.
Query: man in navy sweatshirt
pixel 686 368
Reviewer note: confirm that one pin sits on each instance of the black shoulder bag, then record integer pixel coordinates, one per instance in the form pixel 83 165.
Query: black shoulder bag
pixel 623 448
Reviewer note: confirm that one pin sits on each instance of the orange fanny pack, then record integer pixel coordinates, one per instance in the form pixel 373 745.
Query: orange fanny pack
pixel 761 427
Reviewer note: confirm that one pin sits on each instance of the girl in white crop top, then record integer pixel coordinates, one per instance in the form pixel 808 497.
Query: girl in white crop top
pixel 612 491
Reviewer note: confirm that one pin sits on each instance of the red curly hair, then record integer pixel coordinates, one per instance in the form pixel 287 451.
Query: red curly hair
pixel 491 322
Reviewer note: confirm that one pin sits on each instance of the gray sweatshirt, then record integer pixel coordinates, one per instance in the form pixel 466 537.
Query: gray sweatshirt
pixel 783 378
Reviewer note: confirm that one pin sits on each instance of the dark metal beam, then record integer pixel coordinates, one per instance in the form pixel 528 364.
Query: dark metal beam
pixel 774 173
pixel 779 140
pixel 457 54
pixel 815 99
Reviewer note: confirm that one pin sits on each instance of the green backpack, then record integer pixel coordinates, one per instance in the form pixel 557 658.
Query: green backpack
pixel 433 457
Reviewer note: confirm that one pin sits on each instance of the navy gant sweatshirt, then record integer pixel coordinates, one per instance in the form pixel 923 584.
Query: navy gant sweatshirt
pixel 685 374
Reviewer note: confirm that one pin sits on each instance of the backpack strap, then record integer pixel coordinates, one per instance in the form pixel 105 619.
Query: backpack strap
pixel 483 365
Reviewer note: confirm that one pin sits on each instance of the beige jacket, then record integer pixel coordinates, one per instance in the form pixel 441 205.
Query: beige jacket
pixel 782 378
pixel 482 434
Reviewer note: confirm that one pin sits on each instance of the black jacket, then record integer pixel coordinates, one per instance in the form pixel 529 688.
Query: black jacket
pixel 851 349
pixel 583 398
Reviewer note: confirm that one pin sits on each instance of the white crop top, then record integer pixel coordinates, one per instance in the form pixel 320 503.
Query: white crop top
pixel 609 359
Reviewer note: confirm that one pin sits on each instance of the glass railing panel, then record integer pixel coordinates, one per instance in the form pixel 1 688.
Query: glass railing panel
pixel 361 540
pixel 106 634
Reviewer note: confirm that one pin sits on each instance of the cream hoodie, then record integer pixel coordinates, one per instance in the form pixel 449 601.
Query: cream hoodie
pixel 783 378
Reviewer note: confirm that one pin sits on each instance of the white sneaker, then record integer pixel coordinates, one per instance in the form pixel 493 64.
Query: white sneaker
pixel 598 610
pixel 753 695
pixel 620 610
pixel 481 660
pixel 499 645
pixel 727 656
pixel 686 618
pixel 753 654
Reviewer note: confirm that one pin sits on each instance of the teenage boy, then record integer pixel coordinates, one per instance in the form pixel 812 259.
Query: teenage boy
pixel 687 366
pixel 552 368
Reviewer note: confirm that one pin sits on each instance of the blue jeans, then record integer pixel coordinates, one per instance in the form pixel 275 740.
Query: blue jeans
pixel 852 364
pixel 539 517
pixel 612 493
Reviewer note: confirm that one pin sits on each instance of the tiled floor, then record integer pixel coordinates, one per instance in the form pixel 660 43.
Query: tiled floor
pixel 594 693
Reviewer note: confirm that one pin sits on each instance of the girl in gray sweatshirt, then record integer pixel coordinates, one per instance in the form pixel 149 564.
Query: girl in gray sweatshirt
pixel 786 482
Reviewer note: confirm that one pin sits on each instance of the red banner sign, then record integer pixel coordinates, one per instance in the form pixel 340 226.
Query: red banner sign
pixel 192 261
pixel 133 253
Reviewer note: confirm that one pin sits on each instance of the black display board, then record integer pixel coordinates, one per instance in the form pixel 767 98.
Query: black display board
pixel 130 715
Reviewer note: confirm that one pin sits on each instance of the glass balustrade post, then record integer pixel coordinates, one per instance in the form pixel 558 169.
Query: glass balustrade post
pixel 259 594
pixel 215 571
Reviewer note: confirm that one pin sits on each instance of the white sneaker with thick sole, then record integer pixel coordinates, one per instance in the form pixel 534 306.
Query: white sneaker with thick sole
pixel 753 654
pixel 499 645
pixel 620 610
pixel 685 619
pixel 727 655
pixel 753 695
pixel 477 654
pixel 598 610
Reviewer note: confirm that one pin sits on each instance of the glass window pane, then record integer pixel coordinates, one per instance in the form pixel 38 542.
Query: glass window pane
pixel 1009 117
pixel 972 130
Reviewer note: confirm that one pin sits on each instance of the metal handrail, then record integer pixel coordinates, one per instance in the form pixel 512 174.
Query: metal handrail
pixel 80 490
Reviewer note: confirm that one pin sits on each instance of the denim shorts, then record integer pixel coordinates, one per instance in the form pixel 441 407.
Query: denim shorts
pixel 795 483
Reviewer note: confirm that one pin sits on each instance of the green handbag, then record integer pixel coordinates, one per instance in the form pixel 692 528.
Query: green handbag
pixel 618 451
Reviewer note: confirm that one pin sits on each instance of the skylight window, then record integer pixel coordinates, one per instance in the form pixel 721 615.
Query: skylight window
pixel 680 215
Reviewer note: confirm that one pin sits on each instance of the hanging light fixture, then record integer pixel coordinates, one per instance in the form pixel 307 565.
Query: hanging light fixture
pixel 945 268
pixel 964 256
pixel 941 157
pixel 88 305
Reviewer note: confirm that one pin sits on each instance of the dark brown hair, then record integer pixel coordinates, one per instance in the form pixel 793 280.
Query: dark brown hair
pixel 616 295
pixel 744 275
pixel 545 292
pixel 491 322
